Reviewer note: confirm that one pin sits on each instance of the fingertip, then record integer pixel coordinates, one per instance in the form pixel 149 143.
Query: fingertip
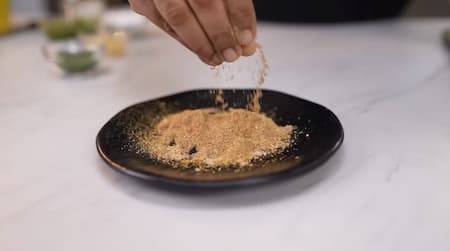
pixel 230 55
pixel 214 61
pixel 217 60
pixel 245 37
pixel 249 50
pixel 239 51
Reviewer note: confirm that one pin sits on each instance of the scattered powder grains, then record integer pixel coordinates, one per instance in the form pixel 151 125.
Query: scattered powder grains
pixel 212 137
pixel 254 104
pixel 256 68
pixel 215 137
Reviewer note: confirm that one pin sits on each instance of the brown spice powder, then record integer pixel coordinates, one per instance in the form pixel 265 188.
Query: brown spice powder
pixel 208 138
pixel 213 137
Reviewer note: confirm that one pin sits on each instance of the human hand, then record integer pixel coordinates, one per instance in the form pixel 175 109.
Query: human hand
pixel 215 30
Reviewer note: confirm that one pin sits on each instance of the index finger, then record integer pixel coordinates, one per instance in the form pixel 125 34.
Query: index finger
pixel 243 18
pixel 182 20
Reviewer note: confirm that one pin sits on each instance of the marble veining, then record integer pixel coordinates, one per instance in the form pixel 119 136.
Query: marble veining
pixel 389 83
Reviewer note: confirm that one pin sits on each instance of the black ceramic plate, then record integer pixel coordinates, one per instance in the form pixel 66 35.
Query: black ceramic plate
pixel 320 134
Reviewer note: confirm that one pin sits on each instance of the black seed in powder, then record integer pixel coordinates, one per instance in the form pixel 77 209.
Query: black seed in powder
pixel 172 142
pixel 192 150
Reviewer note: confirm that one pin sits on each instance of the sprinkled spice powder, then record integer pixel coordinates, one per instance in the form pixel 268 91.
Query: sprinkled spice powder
pixel 211 138
pixel 254 104
pixel 225 73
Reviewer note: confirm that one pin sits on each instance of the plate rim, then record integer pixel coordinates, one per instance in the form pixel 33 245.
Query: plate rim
pixel 239 182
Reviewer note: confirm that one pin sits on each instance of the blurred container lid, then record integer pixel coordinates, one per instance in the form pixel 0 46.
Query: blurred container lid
pixel 89 8
pixel 125 20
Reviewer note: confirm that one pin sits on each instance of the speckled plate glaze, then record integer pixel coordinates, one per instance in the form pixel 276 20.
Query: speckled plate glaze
pixel 319 136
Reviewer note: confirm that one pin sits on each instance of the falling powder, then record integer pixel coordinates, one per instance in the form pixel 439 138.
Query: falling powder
pixel 226 73
pixel 255 104
pixel 211 138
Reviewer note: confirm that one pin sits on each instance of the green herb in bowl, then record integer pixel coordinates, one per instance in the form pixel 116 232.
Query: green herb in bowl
pixel 77 62
pixel 87 24
pixel 59 28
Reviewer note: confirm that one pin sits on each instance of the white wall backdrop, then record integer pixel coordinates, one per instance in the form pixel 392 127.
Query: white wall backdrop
pixel 28 8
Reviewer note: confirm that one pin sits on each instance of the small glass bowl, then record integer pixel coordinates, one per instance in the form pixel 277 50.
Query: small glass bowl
pixel 73 56
pixel 58 28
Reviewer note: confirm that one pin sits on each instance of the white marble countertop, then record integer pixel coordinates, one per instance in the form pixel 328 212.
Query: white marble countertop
pixel 386 189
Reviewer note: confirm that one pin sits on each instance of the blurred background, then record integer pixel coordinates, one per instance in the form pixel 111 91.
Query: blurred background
pixel 16 14
pixel 41 8
pixel 90 29
pixel 428 8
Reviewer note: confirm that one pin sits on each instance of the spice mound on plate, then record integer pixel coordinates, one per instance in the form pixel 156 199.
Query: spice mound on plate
pixel 208 138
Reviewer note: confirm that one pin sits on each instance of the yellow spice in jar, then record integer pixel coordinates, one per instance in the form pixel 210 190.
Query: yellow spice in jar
pixel 116 44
